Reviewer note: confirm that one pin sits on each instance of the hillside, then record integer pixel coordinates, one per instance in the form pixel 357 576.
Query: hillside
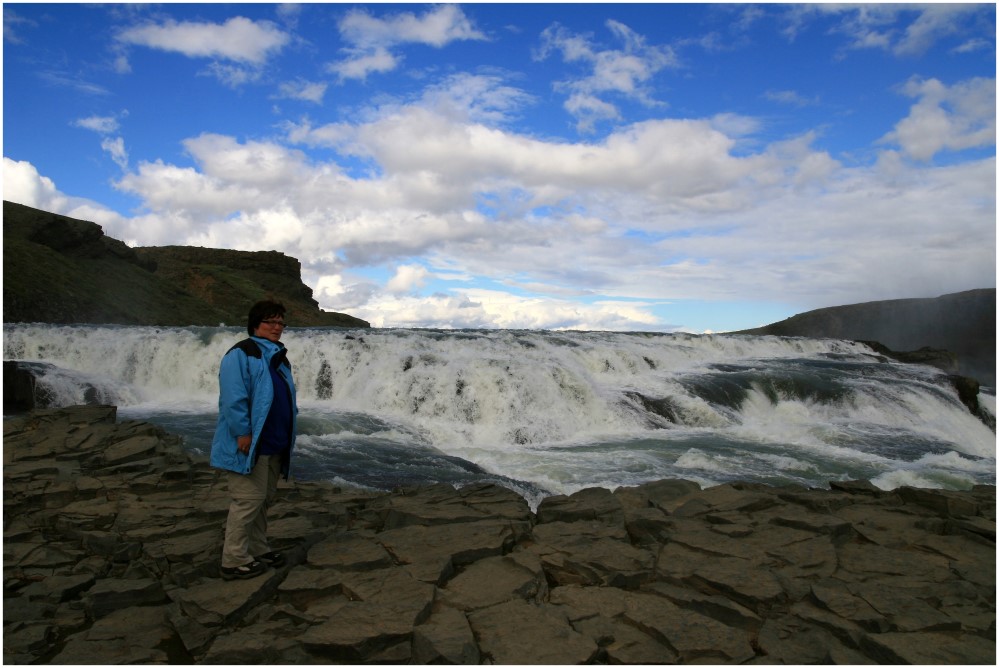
pixel 962 323
pixel 62 270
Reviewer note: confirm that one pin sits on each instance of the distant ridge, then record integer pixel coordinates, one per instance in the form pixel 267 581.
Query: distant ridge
pixel 963 323
pixel 63 270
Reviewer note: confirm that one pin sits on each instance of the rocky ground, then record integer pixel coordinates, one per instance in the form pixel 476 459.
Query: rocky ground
pixel 112 535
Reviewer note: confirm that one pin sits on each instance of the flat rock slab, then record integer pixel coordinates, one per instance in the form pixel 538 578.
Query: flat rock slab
pixel 496 580
pixel 359 629
pixel 217 602
pixel 434 551
pixel 445 637
pixel 136 635
pixel 131 449
pixel 517 632
pixel 349 552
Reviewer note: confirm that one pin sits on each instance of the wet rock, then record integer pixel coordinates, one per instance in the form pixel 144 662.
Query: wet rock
pixel 594 504
pixel 658 494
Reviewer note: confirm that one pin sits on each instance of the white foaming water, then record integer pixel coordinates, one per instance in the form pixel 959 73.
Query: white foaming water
pixel 549 412
pixel 157 364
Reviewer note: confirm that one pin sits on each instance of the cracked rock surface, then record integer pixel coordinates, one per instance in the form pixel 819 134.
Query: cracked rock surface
pixel 112 537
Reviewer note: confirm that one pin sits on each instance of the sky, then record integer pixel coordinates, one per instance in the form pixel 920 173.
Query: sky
pixel 629 167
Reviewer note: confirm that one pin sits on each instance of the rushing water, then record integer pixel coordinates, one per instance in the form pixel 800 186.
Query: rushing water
pixel 549 412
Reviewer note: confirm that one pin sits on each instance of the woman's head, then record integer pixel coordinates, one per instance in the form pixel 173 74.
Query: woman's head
pixel 261 311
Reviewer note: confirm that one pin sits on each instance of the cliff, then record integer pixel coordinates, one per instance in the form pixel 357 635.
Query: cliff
pixel 963 323
pixel 62 270
pixel 112 537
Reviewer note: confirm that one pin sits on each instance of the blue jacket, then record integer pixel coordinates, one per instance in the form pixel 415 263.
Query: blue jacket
pixel 245 396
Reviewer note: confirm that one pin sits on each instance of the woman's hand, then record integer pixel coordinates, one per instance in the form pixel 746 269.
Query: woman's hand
pixel 243 443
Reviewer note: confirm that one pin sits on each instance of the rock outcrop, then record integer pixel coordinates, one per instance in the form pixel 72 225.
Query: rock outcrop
pixel 955 332
pixel 112 534
pixel 62 270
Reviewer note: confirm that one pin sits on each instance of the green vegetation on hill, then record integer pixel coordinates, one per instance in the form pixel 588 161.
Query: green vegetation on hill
pixel 61 270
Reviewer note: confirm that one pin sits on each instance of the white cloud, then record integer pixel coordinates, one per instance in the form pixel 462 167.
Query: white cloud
pixel 12 23
pixel 790 97
pixel 372 38
pixel 590 110
pixel 335 293
pixel 946 118
pixel 238 48
pixel 238 39
pixel 935 21
pixel 115 147
pixel 231 75
pixel 331 135
pixel 164 188
pixel 972 45
pixel 253 163
pixel 905 30
pixel 658 210
pixel 407 278
pixel 437 27
pixel 63 80
pixel 735 125
pixel 289 13
pixel 362 63
pixel 625 72
pixel 476 97
pixel 859 235
pixel 708 215
pixel 24 185
pixel 104 125
pixel 308 91
pixel 674 160
pixel 491 308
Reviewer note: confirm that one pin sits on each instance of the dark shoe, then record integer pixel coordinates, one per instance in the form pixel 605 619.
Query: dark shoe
pixel 250 570
pixel 272 559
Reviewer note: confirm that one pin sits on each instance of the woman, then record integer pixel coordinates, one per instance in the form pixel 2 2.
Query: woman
pixel 254 437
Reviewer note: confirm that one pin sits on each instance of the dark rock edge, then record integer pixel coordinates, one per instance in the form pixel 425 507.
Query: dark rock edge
pixel 64 270
pixel 112 534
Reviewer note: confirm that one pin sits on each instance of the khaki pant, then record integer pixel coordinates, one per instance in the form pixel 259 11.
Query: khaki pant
pixel 246 528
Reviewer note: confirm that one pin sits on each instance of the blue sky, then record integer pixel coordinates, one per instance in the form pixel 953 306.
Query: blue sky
pixel 593 166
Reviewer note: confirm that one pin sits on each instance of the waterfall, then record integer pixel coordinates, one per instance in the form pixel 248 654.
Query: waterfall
pixel 560 409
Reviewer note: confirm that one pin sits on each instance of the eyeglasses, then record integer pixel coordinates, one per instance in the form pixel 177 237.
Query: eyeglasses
pixel 275 323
